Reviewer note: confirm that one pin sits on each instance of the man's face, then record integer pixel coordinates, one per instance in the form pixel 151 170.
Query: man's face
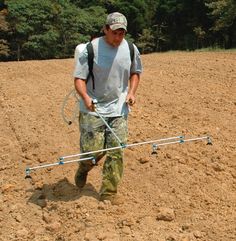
pixel 115 37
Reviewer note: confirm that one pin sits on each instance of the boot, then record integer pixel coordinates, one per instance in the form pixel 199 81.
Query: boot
pixel 80 178
pixel 113 199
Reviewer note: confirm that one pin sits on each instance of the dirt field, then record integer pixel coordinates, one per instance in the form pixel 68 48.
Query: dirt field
pixel 187 192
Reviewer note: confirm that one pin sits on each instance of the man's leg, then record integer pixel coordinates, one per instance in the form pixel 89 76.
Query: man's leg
pixel 92 137
pixel 113 165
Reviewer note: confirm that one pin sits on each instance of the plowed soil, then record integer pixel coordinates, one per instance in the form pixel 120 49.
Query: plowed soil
pixel 185 192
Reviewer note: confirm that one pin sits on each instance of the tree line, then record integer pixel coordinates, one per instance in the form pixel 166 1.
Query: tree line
pixel 46 29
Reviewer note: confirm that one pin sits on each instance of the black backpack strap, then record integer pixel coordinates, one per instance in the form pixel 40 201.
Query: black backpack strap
pixel 90 62
pixel 131 50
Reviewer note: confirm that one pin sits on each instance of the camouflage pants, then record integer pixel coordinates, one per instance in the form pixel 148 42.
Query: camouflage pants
pixel 94 135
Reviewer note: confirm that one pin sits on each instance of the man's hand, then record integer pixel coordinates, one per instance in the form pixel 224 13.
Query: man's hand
pixel 89 104
pixel 130 99
pixel 134 81
pixel 81 88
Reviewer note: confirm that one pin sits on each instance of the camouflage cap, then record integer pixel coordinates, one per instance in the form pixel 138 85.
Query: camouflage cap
pixel 116 20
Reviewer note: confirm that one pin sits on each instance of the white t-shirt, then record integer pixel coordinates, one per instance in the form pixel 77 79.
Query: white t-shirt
pixel 111 69
pixel 79 48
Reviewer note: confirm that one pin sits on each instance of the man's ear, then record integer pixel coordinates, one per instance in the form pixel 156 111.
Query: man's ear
pixel 105 29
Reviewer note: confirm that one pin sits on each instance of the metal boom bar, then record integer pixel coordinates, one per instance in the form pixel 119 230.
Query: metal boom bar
pixel 172 140
pixel 181 140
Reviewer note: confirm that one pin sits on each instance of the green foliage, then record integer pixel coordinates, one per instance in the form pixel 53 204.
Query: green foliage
pixel 49 28
pixel 135 11
pixel 223 13
pixel 200 34
pixel 4 49
pixel 4 27
pixel 146 41
pixel 29 22
pixel 91 21
pixel 52 28
pixel 3 24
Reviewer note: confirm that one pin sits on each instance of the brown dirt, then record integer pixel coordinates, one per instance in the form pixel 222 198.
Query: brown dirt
pixel 185 193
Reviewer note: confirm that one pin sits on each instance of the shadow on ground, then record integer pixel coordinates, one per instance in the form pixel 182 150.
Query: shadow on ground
pixel 63 191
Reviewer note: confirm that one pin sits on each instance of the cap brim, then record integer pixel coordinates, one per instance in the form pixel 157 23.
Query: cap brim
pixel 118 26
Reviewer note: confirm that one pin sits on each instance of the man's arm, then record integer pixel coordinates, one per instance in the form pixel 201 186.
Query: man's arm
pixel 81 88
pixel 134 82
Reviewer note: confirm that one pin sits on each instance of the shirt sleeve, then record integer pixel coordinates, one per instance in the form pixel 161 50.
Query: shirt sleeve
pixel 136 67
pixel 81 70
pixel 76 54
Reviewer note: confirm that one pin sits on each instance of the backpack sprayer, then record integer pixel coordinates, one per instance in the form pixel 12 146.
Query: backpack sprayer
pixel 79 157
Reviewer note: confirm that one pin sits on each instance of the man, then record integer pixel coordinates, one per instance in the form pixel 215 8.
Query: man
pixel 116 80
